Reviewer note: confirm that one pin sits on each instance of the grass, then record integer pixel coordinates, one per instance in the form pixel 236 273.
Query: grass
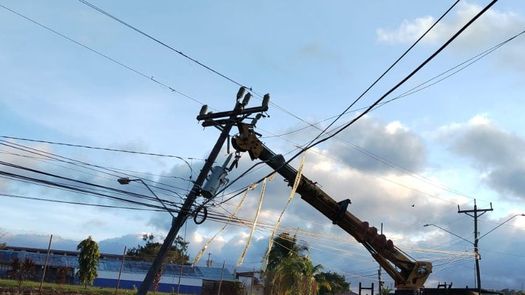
pixel 51 288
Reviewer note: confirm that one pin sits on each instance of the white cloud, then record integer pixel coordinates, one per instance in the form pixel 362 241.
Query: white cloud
pixel 407 32
pixel 489 29
pixel 498 154
pixel 494 23
pixel 481 119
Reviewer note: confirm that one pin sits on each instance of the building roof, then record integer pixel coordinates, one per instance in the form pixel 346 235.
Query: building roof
pixel 69 259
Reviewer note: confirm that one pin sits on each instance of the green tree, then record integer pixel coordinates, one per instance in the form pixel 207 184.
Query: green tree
pixel 386 291
pixel 21 271
pixel 87 261
pixel 284 245
pixel 2 245
pixel 295 275
pixel 290 271
pixel 147 252
pixel 331 283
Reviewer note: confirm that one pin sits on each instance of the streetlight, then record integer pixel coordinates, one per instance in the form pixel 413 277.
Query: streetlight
pixel 127 180
pixel 475 243
pixel 443 229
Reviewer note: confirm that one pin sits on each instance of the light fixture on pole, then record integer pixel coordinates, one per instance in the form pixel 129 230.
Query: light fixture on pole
pixel 127 180
pixel 475 243
pixel 446 230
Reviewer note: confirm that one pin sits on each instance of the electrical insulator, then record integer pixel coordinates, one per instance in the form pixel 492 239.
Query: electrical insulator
pixel 240 93
pixel 246 99
pixel 266 101
pixel 204 110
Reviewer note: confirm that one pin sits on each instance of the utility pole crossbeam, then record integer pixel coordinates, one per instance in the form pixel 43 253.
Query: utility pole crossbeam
pixel 476 213
pixel 224 121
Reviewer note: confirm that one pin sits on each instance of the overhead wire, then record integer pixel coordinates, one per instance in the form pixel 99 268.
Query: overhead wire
pixel 76 203
pixel 72 180
pixel 100 10
pixel 107 57
pixel 219 218
pixel 452 71
pixel 384 73
pixel 112 60
pixel 87 3
pixel 396 86
pixel 81 1
pixel 436 79
pixel 89 166
pixel 69 187
pixel 185 160
pixel 406 78
pixel 82 171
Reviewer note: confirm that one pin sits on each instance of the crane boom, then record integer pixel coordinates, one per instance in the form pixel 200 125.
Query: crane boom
pixel 408 275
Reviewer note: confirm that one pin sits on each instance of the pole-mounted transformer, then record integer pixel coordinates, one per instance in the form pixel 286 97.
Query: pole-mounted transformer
pixel 216 179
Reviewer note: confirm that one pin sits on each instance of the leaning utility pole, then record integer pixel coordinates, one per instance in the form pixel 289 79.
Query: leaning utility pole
pixel 380 282
pixel 224 122
pixel 474 213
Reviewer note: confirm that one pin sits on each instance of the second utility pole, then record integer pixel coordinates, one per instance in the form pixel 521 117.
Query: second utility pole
pixel 225 125
pixel 475 215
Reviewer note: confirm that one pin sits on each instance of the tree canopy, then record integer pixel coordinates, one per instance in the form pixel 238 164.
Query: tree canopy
pixel 88 261
pixel 331 283
pixel 2 244
pixel 284 245
pixel 290 271
pixel 147 252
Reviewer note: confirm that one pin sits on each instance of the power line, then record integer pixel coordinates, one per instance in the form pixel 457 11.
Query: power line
pixel 221 218
pixel 104 148
pixel 388 163
pixel 444 75
pixel 452 71
pixel 385 72
pixel 424 85
pixel 144 75
pixel 69 187
pixel 76 203
pixel 369 108
pixel 406 78
pixel 209 68
pixel 185 160
pixel 68 179
pixel 100 10
pixel 113 60
pixel 98 168
pixel 366 91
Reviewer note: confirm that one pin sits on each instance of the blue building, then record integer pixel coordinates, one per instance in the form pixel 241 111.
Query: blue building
pixel 62 266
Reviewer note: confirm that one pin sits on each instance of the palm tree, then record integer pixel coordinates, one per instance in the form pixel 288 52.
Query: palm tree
pixel 295 275
pixel 290 271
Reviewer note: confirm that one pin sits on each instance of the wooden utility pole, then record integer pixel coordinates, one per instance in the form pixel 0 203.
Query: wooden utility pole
pixel 380 282
pixel 45 264
pixel 222 276
pixel 224 121
pixel 475 213
pixel 120 270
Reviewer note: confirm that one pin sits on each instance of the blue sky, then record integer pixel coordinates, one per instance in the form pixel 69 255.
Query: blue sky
pixel 445 145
